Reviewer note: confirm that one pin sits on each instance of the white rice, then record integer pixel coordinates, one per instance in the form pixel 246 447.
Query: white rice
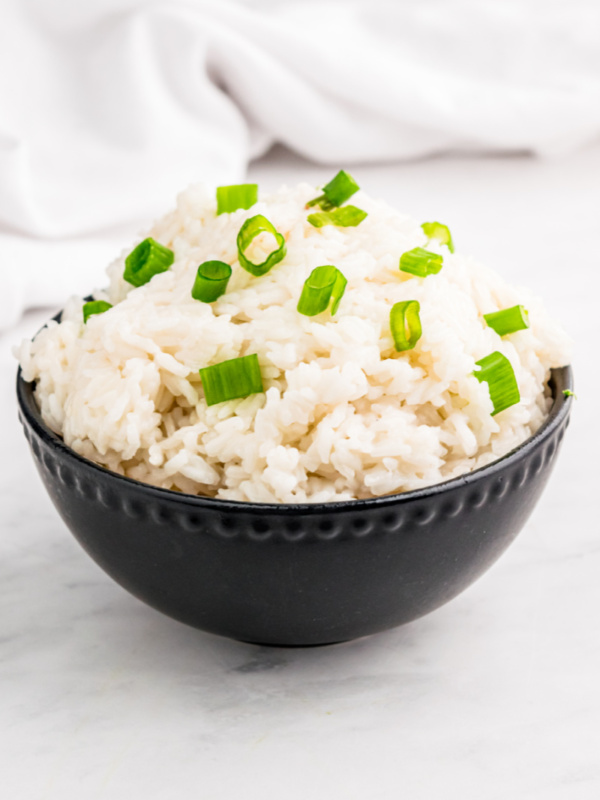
pixel 343 416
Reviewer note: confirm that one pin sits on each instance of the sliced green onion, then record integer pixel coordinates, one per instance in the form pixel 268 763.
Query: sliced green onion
pixel 211 281
pixel 147 260
pixel 230 198
pixel 95 307
pixel 324 284
pixel 569 393
pixel 496 370
pixel 508 320
pixel 252 228
pixel 336 192
pixel 345 217
pixel 435 230
pixel 421 262
pixel 405 324
pixel 238 377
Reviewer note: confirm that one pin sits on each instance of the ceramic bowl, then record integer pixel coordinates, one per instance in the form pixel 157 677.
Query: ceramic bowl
pixel 296 574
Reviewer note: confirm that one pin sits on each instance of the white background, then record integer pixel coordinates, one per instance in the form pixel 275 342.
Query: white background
pixel 496 695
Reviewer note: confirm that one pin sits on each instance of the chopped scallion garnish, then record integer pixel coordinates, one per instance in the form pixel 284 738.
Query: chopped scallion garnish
pixel 508 320
pixel 569 393
pixel 147 260
pixel 252 228
pixel 211 281
pixel 229 380
pixel 345 217
pixel 336 192
pixel 439 232
pixel 324 284
pixel 496 370
pixel 95 307
pixel 405 324
pixel 230 198
pixel 421 262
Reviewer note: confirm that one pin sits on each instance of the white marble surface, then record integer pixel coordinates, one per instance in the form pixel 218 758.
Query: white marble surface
pixel 497 695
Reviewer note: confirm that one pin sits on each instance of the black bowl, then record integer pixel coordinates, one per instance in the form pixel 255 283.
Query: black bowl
pixel 296 574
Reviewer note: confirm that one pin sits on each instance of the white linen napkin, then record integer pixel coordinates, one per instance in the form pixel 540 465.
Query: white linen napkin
pixel 109 107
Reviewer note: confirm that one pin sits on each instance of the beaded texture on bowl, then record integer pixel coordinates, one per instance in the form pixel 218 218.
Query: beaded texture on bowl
pixel 308 523
pixel 304 574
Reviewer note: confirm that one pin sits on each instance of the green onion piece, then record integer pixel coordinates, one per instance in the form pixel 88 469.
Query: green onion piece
pixel 405 324
pixel 508 320
pixel 230 198
pixel 340 188
pixel 339 287
pixel 435 230
pixel 95 307
pixel 238 377
pixel 322 285
pixel 252 228
pixel 345 217
pixel 421 262
pixel 496 370
pixel 147 260
pixel 336 192
pixel 569 393
pixel 211 281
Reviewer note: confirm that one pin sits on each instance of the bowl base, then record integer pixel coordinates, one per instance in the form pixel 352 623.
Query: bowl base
pixel 295 646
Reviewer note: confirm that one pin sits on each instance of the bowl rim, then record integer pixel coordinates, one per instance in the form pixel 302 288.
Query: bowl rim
pixel 561 381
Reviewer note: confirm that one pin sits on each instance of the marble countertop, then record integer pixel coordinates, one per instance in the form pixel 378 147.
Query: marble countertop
pixel 496 695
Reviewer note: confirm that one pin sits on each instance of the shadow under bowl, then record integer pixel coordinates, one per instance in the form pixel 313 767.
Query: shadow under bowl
pixel 292 575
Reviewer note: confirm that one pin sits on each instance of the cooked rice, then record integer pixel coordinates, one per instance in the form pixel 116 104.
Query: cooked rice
pixel 343 416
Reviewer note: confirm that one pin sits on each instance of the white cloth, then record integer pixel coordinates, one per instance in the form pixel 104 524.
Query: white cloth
pixel 109 107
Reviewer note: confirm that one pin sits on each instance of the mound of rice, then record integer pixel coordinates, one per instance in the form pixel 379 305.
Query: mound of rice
pixel 343 414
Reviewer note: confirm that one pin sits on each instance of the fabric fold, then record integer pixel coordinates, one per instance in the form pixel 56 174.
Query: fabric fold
pixel 108 109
